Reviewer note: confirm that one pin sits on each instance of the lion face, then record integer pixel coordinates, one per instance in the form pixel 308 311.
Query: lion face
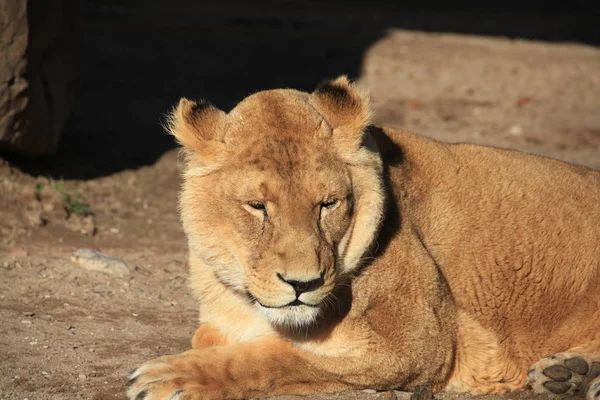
pixel 281 197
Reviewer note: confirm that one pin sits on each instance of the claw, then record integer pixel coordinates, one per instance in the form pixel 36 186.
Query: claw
pixel 131 381
pixel 141 395
pixel 177 395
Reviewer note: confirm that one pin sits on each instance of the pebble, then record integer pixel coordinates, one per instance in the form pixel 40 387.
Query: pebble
pixel 82 376
pixel 422 392
pixel 26 321
pixel 515 130
pixel 93 260
pixel 371 391
pixel 18 252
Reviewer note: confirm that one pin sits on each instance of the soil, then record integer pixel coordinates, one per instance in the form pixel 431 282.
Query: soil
pixel 71 333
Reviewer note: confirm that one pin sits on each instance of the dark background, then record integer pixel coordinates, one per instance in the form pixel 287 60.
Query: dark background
pixel 139 57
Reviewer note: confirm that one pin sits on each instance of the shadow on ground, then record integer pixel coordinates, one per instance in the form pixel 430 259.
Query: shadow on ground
pixel 138 58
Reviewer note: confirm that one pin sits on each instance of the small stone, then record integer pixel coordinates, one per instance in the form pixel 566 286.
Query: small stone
pixel 28 313
pixel 524 101
pixel 135 315
pixel 371 391
pixel 82 376
pixel 18 252
pixel 422 392
pixel 83 224
pixel 33 217
pixel 45 373
pixel 26 321
pixel 114 230
pixel 516 130
pixel 93 260
pixel 390 395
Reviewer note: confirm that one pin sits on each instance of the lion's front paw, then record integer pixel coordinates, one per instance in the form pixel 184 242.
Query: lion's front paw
pixel 178 377
pixel 563 374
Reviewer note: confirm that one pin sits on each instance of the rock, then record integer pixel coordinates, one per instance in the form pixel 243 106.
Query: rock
pixel 516 130
pixel 38 72
pixel 422 392
pixel 33 216
pixel 390 395
pixel 18 252
pixel 84 224
pixel 93 260
pixel 402 395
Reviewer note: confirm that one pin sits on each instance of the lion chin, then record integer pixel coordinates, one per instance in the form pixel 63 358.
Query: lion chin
pixel 290 317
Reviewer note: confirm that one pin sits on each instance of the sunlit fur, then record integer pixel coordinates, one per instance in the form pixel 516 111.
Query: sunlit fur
pixel 296 317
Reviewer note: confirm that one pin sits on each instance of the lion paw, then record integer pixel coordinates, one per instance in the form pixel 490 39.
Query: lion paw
pixel 564 374
pixel 171 378
pixel 153 381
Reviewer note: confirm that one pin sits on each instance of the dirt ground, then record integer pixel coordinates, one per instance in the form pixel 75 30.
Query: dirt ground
pixel 70 333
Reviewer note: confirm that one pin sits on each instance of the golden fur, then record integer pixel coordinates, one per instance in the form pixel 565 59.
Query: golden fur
pixel 405 260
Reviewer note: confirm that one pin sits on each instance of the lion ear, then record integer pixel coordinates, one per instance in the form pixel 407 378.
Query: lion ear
pixel 197 126
pixel 346 108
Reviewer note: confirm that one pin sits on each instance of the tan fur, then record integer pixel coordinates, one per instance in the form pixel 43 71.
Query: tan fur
pixel 454 265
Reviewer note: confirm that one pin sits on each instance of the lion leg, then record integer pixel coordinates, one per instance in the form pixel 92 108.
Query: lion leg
pixel 246 370
pixel 207 336
pixel 482 365
pixel 572 373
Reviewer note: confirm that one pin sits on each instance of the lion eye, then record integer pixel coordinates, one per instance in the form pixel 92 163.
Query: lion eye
pixel 257 205
pixel 330 204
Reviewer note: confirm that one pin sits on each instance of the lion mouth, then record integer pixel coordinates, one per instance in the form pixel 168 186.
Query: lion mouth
pixel 294 303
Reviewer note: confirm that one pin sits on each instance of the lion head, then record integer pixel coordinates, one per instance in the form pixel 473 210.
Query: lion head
pixel 283 195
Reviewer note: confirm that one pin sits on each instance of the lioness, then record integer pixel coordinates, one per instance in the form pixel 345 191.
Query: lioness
pixel 328 254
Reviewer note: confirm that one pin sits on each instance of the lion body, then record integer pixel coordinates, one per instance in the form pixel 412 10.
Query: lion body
pixel 384 261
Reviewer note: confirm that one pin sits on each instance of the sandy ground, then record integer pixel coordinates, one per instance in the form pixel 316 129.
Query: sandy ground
pixel 70 333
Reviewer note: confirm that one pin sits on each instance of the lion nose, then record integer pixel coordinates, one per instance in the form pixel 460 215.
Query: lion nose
pixel 303 286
